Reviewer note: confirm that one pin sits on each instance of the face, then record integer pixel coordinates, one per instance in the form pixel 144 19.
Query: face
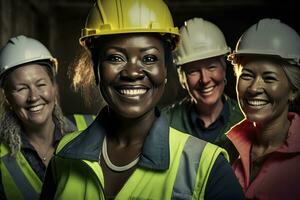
pixel 205 79
pixel 31 94
pixel 263 91
pixel 132 73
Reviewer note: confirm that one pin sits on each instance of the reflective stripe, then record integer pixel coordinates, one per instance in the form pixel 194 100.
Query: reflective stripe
pixel 188 167
pixel 208 158
pixel 19 178
pixel 80 122
pixel 89 119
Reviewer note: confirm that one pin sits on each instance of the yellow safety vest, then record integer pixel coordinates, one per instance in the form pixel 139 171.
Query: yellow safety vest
pixel 18 178
pixel 191 161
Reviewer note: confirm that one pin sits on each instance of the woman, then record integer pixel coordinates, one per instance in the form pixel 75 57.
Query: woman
pixel 268 68
pixel 206 113
pixel 129 151
pixel 31 120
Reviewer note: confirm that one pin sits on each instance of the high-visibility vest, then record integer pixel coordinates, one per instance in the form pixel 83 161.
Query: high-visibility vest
pixel 191 161
pixel 79 122
pixel 18 178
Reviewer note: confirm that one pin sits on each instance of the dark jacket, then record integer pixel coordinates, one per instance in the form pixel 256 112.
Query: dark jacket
pixel 179 117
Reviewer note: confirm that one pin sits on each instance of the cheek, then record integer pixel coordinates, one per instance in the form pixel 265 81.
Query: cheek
pixel 49 94
pixel 241 88
pixel 107 73
pixel 192 81
pixel 157 75
pixel 279 92
pixel 219 75
pixel 16 99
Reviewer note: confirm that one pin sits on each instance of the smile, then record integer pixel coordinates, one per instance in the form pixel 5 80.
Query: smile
pixel 257 102
pixel 208 89
pixel 35 108
pixel 132 92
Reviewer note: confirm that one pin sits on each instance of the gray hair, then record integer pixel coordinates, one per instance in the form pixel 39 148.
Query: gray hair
pixel 293 74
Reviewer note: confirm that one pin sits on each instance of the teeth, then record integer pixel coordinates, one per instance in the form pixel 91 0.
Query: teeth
pixel 133 91
pixel 257 102
pixel 36 108
pixel 206 90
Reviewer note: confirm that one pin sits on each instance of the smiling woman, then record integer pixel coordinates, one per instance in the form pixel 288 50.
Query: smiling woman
pixel 267 65
pixel 130 151
pixel 31 121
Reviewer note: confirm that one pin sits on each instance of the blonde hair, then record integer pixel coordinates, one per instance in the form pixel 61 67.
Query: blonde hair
pixel 82 77
pixel 11 126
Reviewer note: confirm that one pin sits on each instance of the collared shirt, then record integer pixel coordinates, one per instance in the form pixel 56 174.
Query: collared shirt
pixel 212 132
pixel 278 177
pixel 32 156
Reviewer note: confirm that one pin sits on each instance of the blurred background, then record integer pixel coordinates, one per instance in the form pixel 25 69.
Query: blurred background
pixel 57 24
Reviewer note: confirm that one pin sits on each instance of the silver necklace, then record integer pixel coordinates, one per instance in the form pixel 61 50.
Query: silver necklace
pixel 44 156
pixel 111 165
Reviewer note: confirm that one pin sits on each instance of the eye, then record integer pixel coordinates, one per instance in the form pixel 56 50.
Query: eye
pixel 21 89
pixel 149 59
pixel 246 76
pixel 192 73
pixel 115 58
pixel 269 79
pixel 212 67
pixel 42 84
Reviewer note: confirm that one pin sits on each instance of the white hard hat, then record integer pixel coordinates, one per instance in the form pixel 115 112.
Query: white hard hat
pixel 200 39
pixel 21 50
pixel 269 37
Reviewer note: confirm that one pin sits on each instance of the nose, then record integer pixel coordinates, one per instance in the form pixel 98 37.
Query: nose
pixel 204 76
pixel 33 94
pixel 132 71
pixel 256 86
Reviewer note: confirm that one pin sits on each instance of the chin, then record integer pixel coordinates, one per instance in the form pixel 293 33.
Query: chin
pixel 259 119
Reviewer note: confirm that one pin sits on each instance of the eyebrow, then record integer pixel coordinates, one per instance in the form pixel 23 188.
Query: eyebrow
pixel 148 48
pixel 123 50
pixel 270 73
pixel 264 73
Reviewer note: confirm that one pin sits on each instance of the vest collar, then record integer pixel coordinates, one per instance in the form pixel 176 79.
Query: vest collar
pixel 87 146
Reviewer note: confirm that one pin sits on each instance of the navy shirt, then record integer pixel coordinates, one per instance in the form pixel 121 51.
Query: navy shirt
pixel 212 132
pixel 31 155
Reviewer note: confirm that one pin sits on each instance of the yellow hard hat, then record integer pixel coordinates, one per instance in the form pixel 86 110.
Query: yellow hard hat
pixel 108 17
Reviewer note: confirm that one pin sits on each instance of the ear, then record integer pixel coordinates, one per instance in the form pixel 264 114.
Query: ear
pixel 293 95
pixel 182 77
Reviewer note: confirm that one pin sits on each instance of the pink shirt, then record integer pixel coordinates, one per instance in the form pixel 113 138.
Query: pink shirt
pixel 279 175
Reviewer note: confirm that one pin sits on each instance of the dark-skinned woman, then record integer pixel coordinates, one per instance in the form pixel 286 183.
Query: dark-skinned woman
pixel 129 151
pixel 31 121
pixel 267 64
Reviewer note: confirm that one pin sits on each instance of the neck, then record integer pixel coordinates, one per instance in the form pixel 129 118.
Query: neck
pixel 131 131
pixel 270 136
pixel 42 134
pixel 209 114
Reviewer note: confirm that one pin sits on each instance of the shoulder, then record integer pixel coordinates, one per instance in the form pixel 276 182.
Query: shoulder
pixel 177 106
pixel 66 139
pixel 222 182
pixel 233 105
pixel 3 149
pixel 79 121
pixel 209 150
pixel 235 113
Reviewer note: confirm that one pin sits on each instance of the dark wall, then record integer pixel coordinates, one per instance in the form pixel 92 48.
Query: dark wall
pixel 58 23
